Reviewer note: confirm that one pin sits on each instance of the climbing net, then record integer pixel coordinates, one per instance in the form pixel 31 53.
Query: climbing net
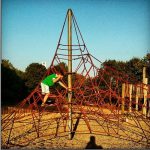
pixel 96 101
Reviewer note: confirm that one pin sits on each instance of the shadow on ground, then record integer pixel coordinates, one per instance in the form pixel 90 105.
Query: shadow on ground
pixel 92 144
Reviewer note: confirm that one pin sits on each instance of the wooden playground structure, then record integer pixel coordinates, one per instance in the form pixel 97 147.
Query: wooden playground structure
pixel 135 93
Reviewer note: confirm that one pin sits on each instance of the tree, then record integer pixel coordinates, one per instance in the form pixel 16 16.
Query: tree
pixel 134 69
pixel 146 62
pixel 13 88
pixel 33 75
pixel 7 64
pixel 117 65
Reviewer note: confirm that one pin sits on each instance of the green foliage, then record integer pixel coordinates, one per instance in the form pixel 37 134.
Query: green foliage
pixel 135 68
pixel 118 65
pixel 13 88
pixel 16 85
pixel 62 68
pixel 33 75
pixel 7 64
pixel 132 68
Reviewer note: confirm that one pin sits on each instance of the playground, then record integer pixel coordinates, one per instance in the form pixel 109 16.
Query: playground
pixel 101 103
pixel 53 134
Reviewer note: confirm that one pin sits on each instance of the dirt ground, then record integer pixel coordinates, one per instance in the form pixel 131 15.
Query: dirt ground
pixel 52 135
pixel 80 142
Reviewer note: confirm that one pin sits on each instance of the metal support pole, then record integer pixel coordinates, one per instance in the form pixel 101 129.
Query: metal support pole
pixel 70 71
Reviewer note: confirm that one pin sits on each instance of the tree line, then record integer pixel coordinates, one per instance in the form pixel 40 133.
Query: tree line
pixel 16 84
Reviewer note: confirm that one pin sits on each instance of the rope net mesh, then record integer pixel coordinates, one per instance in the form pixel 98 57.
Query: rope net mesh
pixel 96 101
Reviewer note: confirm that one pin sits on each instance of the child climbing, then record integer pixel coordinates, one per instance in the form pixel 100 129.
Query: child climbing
pixel 48 82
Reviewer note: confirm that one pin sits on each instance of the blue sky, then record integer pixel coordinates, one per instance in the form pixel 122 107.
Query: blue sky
pixel 112 29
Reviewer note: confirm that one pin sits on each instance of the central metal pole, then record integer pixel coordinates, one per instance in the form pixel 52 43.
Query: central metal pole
pixel 70 71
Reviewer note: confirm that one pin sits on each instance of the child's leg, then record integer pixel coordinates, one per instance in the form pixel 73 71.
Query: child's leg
pixel 45 90
pixel 46 97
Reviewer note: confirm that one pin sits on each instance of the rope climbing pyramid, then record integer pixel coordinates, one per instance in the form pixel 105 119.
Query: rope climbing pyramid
pixel 94 100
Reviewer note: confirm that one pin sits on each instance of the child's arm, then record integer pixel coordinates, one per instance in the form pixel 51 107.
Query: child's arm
pixel 55 80
pixel 63 85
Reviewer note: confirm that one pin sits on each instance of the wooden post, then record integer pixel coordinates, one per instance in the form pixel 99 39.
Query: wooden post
pixel 148 111
pixel 145 97
pixel 144 73
pixel 127 90
pixel 123 96
pixel 137 97
pixel 130 97
pixel 145 82
pixel 70 71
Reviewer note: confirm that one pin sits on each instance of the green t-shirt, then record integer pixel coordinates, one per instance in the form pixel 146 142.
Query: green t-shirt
pixel 49 80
